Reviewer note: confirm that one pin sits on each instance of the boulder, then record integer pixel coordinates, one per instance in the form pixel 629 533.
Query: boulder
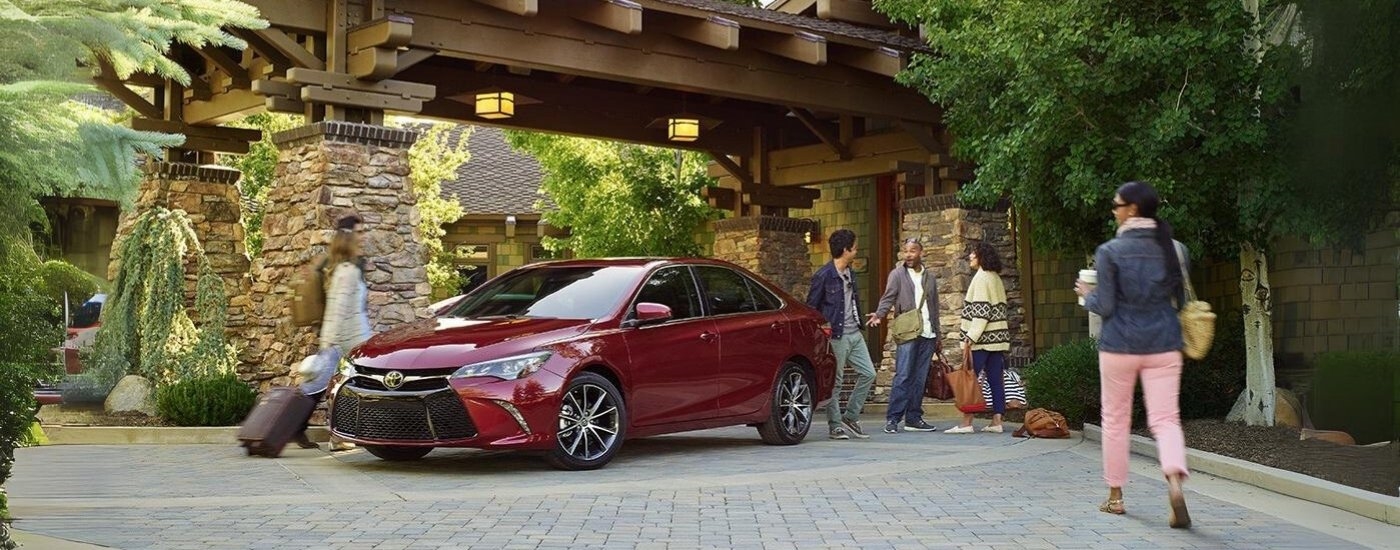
pixel 132 394
pixel 1288 411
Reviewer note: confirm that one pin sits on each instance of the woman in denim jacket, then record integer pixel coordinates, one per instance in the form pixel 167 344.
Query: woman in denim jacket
pixel 1138 294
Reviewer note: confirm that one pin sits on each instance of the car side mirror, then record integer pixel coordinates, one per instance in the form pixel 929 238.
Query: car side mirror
pixel 649 313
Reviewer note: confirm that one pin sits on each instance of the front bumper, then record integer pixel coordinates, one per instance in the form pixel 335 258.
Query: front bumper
pixel 435 411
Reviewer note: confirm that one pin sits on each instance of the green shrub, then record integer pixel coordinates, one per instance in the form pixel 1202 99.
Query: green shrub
pixel 59 277
pixel 217 400
pixel 1066 379
pixel 1354 392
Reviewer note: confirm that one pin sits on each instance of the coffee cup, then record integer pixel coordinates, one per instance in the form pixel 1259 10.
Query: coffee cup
pixel 1089 277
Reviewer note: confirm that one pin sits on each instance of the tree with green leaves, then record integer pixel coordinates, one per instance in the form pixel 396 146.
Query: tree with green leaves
pixel 55 146
pixel 1057 103
pixel 619 199
pixel 433 159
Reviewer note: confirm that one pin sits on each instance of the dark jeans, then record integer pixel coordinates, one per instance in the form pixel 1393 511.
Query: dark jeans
pixel 911 365
pixel 992 364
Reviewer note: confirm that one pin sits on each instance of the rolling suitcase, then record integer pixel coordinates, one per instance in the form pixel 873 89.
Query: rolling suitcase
pixel 274 421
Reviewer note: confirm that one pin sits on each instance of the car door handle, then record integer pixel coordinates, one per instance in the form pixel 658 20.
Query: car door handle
pixel 708 336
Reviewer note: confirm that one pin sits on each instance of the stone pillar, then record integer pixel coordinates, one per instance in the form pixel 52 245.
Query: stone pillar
pixel 948 230
pixel 325 171
pixel 209 195
pixel 773 247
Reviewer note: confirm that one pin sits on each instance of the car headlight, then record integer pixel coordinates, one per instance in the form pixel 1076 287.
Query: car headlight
pixel 509 368
pixel 347 369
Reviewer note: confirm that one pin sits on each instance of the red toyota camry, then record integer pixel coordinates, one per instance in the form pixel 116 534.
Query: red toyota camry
pixel 574 357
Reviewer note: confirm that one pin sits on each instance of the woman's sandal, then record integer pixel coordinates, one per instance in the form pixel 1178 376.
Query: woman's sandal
pixel 1178 518
pixel 1112 506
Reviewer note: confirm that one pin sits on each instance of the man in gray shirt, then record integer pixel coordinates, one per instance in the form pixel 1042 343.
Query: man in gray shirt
pixel 910 286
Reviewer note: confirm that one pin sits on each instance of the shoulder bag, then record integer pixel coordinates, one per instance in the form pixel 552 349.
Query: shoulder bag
pixel 910 324
pixel 1197 320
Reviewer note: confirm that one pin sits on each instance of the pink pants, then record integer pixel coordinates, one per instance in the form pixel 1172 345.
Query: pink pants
pixel 1161 385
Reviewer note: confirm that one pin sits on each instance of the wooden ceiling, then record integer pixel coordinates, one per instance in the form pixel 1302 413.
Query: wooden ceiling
pixel 772 84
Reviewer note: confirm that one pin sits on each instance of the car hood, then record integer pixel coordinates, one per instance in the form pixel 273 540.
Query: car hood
pixel 452 342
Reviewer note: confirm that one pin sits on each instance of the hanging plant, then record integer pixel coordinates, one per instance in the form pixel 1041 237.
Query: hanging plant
pixel 146 329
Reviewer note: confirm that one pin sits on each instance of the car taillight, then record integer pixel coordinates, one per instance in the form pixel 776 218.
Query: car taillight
pixel 826 329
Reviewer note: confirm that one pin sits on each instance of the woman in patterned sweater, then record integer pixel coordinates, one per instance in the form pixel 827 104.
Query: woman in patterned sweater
pixel 985 331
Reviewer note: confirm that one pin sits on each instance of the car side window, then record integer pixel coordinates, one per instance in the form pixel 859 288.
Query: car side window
pixel 672 287
pixel 763 298
pixel 726 292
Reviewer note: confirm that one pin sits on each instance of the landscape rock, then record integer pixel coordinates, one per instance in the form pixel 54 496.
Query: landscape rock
pixel 132 394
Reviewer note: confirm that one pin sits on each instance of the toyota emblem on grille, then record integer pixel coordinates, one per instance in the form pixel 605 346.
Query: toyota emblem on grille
pixel 393 380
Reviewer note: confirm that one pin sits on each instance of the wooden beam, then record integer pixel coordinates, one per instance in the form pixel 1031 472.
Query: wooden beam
pixel 107 80
pixel 191 130
pixel 881 61
pixel 199 89
pixel 362 100
pixel 733 169
pixel 924 136
pixel 822 132
pixel 235 71
pixel 713 31
pixel 294 15
pixel 800 7
pixel 285 105
pixel 956 173
pixel 193 143
pixel 414 56
pixel 391 32
pixel 622 16
pixel 561 46
pixel 325 79
pixel 853 11
pixel 527 8
pixel 720 197
pixel 373 63
pixel 283 44
pixel 230 105
pixel 783 197
pixel 798 46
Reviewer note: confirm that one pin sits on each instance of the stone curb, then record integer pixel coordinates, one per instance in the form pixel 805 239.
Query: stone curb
pixel 32 540
pixel 1363 503
pixel 149 435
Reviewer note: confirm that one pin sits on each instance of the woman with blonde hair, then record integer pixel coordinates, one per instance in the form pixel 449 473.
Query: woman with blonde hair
pixel 345 324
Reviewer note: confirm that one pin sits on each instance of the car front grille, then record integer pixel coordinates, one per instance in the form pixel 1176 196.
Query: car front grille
pixel 409 386
pixel 436 416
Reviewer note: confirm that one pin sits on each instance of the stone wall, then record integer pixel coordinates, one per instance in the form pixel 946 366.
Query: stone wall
pixel 948 230
pixel 324 172
pixel 208 194
pixel 773 247
pixel 1059 319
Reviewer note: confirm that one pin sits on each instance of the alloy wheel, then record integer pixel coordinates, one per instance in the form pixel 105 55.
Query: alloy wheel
pixel 589 422
pixel 795 400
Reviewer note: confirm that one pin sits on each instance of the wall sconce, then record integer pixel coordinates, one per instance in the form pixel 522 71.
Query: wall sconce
pixel 495 105
pixel 510 226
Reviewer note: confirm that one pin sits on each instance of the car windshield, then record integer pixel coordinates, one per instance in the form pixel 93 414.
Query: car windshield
pixel 86 315
pixel 556 292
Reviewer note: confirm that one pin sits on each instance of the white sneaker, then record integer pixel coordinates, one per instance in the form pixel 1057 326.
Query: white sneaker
pixel 959 430
pixel 993 429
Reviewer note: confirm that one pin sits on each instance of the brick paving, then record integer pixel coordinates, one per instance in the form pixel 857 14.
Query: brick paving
pixel 713 489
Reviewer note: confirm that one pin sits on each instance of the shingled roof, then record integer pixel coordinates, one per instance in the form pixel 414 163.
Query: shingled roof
pixel 497 180
pixel 811 24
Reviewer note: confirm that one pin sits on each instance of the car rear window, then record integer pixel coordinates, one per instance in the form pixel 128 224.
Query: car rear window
pixel 555 292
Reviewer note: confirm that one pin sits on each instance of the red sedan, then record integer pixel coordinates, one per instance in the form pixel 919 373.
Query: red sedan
pixel 574 357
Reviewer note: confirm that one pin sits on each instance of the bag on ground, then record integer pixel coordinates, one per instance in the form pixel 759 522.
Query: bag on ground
pixel 937 386
pixel 1045 424
pixel 1015 391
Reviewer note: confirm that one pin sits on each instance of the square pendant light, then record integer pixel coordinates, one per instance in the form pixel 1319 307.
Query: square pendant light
pixel 495 105
pixel 682 128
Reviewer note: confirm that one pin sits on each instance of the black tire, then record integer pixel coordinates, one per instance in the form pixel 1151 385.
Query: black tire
pixel 792 409
pixel 397 453
pixel 588 442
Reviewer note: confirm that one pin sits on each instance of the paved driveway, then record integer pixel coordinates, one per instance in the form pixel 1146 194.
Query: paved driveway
pixel 712 489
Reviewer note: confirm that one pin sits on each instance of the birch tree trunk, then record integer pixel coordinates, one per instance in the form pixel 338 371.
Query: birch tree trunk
pixel 1256 298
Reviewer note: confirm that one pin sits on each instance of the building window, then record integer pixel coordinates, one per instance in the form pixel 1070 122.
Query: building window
pixel 538 253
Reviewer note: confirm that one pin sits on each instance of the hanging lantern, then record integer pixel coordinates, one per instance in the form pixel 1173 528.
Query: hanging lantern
pixel 682 128
pixel 495 105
